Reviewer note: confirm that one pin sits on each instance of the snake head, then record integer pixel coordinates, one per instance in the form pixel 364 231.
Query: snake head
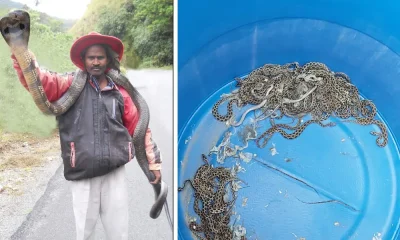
pixel 195 227
pixel 238 82
pixel 15 28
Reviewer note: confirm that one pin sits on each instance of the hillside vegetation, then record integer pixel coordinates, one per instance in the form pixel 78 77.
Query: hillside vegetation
pixel 145 26
pixel 18 112
pixel 10 4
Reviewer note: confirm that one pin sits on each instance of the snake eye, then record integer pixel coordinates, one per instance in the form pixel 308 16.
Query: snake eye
pixel 21 26
pixel 6 30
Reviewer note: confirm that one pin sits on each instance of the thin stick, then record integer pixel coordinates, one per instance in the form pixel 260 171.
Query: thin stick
pixel 269 166
pixel 331 201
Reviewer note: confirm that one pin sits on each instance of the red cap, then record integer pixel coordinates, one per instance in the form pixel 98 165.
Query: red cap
pixel 90 39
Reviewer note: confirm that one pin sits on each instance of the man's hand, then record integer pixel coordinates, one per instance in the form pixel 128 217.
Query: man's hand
pixel 157 174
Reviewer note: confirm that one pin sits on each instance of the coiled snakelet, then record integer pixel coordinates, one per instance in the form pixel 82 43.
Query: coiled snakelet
pixel 15 29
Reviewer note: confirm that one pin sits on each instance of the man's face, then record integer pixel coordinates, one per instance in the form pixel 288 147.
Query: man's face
pixel 96 60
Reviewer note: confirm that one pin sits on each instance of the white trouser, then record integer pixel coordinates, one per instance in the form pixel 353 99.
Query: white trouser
pixel 105 196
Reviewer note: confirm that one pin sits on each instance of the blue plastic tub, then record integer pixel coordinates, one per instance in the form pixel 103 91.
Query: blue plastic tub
pixel 221 40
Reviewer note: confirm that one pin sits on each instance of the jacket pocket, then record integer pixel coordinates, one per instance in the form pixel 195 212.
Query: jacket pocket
pixel 121 152
pixel 72 156
pixel 112 107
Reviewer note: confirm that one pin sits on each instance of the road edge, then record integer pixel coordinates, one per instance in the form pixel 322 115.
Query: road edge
pixel 17 235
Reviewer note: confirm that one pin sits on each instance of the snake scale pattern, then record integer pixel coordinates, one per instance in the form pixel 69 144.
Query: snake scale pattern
pixel 211 185
pixel 276 90
pixel 15 29
pixel 296 91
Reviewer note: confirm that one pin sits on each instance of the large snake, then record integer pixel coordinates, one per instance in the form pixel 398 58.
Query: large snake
pixel 15 29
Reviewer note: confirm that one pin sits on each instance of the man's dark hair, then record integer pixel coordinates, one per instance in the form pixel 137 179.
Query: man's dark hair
pixel 111 56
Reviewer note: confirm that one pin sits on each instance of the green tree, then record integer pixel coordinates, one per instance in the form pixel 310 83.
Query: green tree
pixel 113 24
pixel 145 27
pixel 152 30
pixel 56 25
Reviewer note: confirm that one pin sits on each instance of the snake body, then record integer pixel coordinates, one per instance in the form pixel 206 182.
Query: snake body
pixel 297 91
pixel 211 185
pixel 276 90
pixel 15 29
pixel 298 130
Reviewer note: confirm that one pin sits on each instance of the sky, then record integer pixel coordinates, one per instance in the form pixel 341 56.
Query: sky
pixel 66 9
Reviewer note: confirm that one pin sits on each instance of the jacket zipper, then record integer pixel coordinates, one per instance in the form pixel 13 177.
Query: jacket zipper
pixel 72 158
pixel 130 151
pixel 77 117
pixel 113 110
pixel 100 126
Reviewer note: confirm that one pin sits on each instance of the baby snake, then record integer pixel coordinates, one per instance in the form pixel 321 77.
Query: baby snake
pixel 296 91
pixel 210 186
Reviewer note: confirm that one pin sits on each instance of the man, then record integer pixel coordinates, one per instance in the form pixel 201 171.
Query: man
pixel 95 136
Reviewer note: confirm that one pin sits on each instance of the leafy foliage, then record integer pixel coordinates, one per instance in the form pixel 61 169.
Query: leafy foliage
pixel 113 24
pixel 145 26
pixel 152 30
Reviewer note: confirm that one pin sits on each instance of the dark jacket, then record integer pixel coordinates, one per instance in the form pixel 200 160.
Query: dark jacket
pixel 93 138
pixel 98 134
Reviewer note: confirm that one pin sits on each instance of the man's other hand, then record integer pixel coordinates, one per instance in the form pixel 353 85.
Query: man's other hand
pixel 157 174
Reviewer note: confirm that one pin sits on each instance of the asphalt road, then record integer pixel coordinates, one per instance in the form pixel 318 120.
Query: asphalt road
pixel 52 217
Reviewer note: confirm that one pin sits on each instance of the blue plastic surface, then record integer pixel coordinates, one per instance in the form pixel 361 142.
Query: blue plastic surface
pixel 221 40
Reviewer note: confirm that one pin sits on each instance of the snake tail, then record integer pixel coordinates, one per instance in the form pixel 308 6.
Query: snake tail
pixel 160 189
